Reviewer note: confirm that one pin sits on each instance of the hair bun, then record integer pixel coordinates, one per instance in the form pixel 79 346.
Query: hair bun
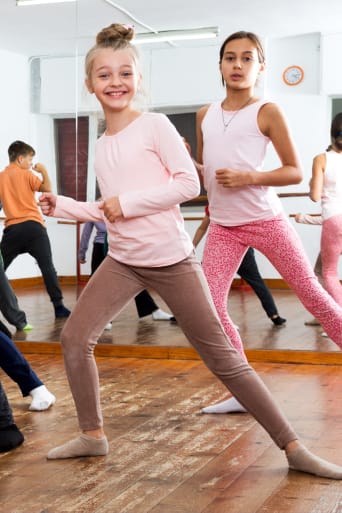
pixel 115 32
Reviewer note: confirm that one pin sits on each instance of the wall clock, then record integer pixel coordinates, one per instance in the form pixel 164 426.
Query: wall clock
pixel 293 75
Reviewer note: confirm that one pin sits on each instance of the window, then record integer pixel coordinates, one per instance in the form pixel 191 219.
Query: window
pixel 72 156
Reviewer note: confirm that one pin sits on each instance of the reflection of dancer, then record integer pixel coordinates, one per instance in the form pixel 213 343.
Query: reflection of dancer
pixel 25 231
pixel 144 302
pixel 9 303
pixel 248 270
pixel 144 172
pixel 245 211
pixel 326 186
pixel 314 220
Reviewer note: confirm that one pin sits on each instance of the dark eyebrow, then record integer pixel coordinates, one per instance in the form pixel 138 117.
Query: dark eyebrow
pixel 234 53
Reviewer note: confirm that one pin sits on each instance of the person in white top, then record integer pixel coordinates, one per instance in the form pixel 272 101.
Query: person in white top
pixel 233 136
pixel 326 186
pixel 144 171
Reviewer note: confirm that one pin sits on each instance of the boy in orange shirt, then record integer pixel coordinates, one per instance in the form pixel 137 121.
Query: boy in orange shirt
pixel 25 230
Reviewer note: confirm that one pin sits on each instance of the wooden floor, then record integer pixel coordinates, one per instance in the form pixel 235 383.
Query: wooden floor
pixel 167 457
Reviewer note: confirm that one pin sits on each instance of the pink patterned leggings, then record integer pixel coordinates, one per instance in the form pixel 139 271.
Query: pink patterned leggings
pixel 331 250
pixel 280 243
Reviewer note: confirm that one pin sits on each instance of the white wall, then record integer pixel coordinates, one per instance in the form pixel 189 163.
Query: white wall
pixel 14 101
pixel 176 78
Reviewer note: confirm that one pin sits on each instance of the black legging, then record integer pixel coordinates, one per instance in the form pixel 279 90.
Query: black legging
pixel 249 272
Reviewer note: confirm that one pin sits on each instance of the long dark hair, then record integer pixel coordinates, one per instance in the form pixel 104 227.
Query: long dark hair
pixel 336 132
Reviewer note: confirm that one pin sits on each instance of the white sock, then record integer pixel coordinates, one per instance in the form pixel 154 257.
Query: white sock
pixel 42 399
pixel 231 405
pixel 160 315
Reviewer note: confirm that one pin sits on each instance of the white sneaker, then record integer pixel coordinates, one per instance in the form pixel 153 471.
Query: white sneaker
pixel 160 315
pixel 108 326
pixel 323 334
pixel 237 327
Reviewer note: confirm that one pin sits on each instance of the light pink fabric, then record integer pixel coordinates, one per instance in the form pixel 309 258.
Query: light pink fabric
pixel 150 180
pixel 240 147
pixel 332 185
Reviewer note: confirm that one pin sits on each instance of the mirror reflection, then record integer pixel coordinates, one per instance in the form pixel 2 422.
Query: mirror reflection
pixel 50 109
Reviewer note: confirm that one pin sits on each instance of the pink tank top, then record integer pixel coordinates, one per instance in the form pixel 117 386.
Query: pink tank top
pixel 241 146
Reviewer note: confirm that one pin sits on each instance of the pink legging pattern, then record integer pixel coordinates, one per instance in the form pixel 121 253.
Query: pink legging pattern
pixel 331 250
pixel 279 242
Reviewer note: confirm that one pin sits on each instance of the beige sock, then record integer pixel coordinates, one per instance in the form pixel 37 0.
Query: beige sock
pixel 84 445
pixel 303 460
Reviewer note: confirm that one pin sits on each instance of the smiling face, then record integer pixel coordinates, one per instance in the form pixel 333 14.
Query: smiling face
pixel 240 64
pixel 113 78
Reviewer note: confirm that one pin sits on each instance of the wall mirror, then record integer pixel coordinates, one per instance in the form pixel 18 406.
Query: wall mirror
pixel 44 101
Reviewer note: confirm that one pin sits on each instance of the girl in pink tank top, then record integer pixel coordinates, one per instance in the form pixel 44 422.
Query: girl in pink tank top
pixel 233 136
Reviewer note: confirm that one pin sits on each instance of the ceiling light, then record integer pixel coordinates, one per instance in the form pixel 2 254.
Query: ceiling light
pixel 176 35
pixel 21 3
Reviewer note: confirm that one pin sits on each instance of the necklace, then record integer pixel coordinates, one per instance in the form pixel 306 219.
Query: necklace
pixel 227 123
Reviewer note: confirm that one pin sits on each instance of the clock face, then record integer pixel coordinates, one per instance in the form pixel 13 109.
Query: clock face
pixel 293 75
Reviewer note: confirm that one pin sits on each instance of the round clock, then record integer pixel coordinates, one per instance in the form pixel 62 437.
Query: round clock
pixel 293 75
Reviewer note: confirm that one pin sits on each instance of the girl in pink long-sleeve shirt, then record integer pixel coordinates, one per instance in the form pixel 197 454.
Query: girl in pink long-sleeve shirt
pixel 233 136
pixel 144 171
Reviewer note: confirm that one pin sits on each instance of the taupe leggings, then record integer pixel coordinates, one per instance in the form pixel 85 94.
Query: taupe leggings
pixel 184 288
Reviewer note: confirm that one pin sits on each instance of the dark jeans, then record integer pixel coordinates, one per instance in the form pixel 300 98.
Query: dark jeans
pixel 31 237
pixel 16 367
pixel 8 302
pixel 144 302
pixel 249 271
pixel 6 417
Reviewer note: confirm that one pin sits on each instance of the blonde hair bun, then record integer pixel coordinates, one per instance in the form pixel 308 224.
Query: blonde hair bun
pixel 114 33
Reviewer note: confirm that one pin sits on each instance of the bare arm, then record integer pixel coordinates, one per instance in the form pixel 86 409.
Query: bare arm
pixel 316 182
pixel 201 231
pixel 46 183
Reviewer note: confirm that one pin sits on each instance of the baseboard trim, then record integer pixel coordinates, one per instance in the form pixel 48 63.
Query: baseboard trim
pixel 188 353
pixel 37 281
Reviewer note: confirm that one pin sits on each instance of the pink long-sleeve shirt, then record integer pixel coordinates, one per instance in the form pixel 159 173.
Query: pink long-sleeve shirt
pixel 148 167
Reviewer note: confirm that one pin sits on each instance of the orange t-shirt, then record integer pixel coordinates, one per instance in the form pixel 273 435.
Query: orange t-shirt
pixel 17 195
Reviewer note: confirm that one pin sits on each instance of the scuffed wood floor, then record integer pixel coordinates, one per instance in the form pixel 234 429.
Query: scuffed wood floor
pixel 167 457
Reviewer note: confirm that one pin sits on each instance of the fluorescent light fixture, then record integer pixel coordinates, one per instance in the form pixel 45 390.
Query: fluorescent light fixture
pixel 21 3
pixel 176 35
